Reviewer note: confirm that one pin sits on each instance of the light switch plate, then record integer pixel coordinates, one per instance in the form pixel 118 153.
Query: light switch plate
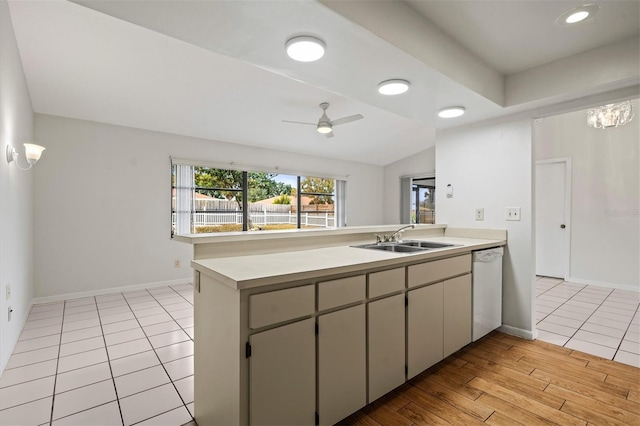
pixel 512 213
pixel 480 214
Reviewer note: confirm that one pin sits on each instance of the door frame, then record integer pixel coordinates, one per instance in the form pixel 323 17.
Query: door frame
pixel 567 208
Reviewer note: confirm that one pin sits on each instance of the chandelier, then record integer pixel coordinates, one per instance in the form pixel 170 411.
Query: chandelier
pixel 611 115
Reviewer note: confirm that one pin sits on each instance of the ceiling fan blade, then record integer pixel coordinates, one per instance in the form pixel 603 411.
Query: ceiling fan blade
pixel 299 122
pixel 348 119
pixel 329 135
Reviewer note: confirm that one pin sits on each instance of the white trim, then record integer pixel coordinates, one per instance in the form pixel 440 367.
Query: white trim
pixel 631 287
pixel 567 208
pixel 80 294
pixel 246 168
pixel 5 361
pixel 518 332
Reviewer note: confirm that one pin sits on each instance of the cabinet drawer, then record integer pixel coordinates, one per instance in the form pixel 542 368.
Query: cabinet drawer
pixel 282 305
pixel 438 270
pixel 385 282
pixel 341 292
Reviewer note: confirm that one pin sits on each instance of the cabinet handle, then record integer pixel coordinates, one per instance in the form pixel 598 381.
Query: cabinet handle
pixel 563 226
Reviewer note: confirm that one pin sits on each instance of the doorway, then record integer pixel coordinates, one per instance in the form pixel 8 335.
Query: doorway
pixel 423 200
pixel 553 205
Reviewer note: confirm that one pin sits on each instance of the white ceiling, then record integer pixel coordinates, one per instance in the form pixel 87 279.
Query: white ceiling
pixel 513 36
pixel 217 69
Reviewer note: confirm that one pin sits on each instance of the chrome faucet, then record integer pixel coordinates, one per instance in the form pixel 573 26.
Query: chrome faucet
pixel 393 238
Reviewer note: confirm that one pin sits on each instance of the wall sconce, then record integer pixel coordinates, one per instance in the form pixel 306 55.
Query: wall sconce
pixel 32 153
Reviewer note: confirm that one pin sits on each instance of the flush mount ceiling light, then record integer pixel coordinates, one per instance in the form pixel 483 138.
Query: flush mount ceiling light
pixel 451 112
pixel 578 14
pixel 32 153
pixel 305 48
pixel 611 115
pixel 393 87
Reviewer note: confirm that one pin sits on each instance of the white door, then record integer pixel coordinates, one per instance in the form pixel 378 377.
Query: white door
pixel 551 219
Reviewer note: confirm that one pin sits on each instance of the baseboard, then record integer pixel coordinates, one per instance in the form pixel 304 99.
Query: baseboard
pixel 629 287
pixel 5 356
pixel 519 332
pixel 67 296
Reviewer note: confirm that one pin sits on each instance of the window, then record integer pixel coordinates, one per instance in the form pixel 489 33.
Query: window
pixel 208 199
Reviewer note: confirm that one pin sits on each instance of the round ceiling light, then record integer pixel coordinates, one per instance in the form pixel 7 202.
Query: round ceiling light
pixel 577 15
pixel 451 112
pixel 393 87
pixel 305 48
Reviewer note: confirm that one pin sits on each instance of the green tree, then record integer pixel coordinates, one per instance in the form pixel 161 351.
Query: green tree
pixel 320 190
pixel 227 184
pixel 263 186
pixel 213 182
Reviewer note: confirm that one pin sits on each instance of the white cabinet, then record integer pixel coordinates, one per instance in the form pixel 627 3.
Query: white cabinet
pixel 386 345
pixel 282 387
pixel 457 313
pixel 424 328
pixel 342 364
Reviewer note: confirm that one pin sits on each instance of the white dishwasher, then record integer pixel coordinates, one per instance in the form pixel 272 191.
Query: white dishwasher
pixel 487 291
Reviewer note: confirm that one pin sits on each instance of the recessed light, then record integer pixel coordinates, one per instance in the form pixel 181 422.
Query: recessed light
pixel 393 87
pixel 577 14
pixel 451 112
pixel 305 48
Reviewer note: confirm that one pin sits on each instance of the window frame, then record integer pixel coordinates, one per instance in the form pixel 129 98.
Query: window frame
pixel 338 195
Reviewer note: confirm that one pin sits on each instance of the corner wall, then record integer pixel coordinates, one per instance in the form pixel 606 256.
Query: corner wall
pixel 605 218
pixel 103 198
pixel 16 192
pixel 490 167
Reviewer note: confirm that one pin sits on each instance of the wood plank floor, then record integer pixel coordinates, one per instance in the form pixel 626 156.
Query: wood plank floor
pixel 504 380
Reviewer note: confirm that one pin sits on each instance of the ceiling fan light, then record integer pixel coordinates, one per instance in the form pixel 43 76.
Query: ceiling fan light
pixel 305 48
pixel 324 128
pixel 451 112
pixel 393 87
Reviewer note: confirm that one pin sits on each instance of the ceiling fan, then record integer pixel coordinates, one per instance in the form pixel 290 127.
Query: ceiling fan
pixel 324 125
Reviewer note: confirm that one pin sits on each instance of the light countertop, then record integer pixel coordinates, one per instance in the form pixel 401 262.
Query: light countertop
pixel 242 272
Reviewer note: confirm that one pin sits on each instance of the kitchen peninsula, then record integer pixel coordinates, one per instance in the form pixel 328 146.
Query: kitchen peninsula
pixel 303 328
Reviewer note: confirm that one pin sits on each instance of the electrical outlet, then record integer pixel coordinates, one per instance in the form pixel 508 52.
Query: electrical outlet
pixel 8 292
pixel 480 214
pixel 512 213
pixel 176 263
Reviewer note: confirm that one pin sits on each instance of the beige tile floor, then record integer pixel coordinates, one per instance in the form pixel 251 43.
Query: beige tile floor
pixel 117 359
pixel 597 320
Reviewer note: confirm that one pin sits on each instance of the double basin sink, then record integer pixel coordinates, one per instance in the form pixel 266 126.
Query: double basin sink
pixel 410 246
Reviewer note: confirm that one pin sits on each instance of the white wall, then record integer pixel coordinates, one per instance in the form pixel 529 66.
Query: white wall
pixel 415 165
pixel 489 166
pixel 605 223
pixel 102 201
pixel 16 207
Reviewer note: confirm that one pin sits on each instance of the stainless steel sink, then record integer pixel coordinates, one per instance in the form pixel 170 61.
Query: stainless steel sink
pixel 425 244
pixel 392 247
pixel 412 246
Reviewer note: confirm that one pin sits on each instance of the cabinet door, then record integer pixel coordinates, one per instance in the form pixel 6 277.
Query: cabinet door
pixel 342 360
pixel 282 375
pixel 424 328
pixel 457 313
pixel 386 345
